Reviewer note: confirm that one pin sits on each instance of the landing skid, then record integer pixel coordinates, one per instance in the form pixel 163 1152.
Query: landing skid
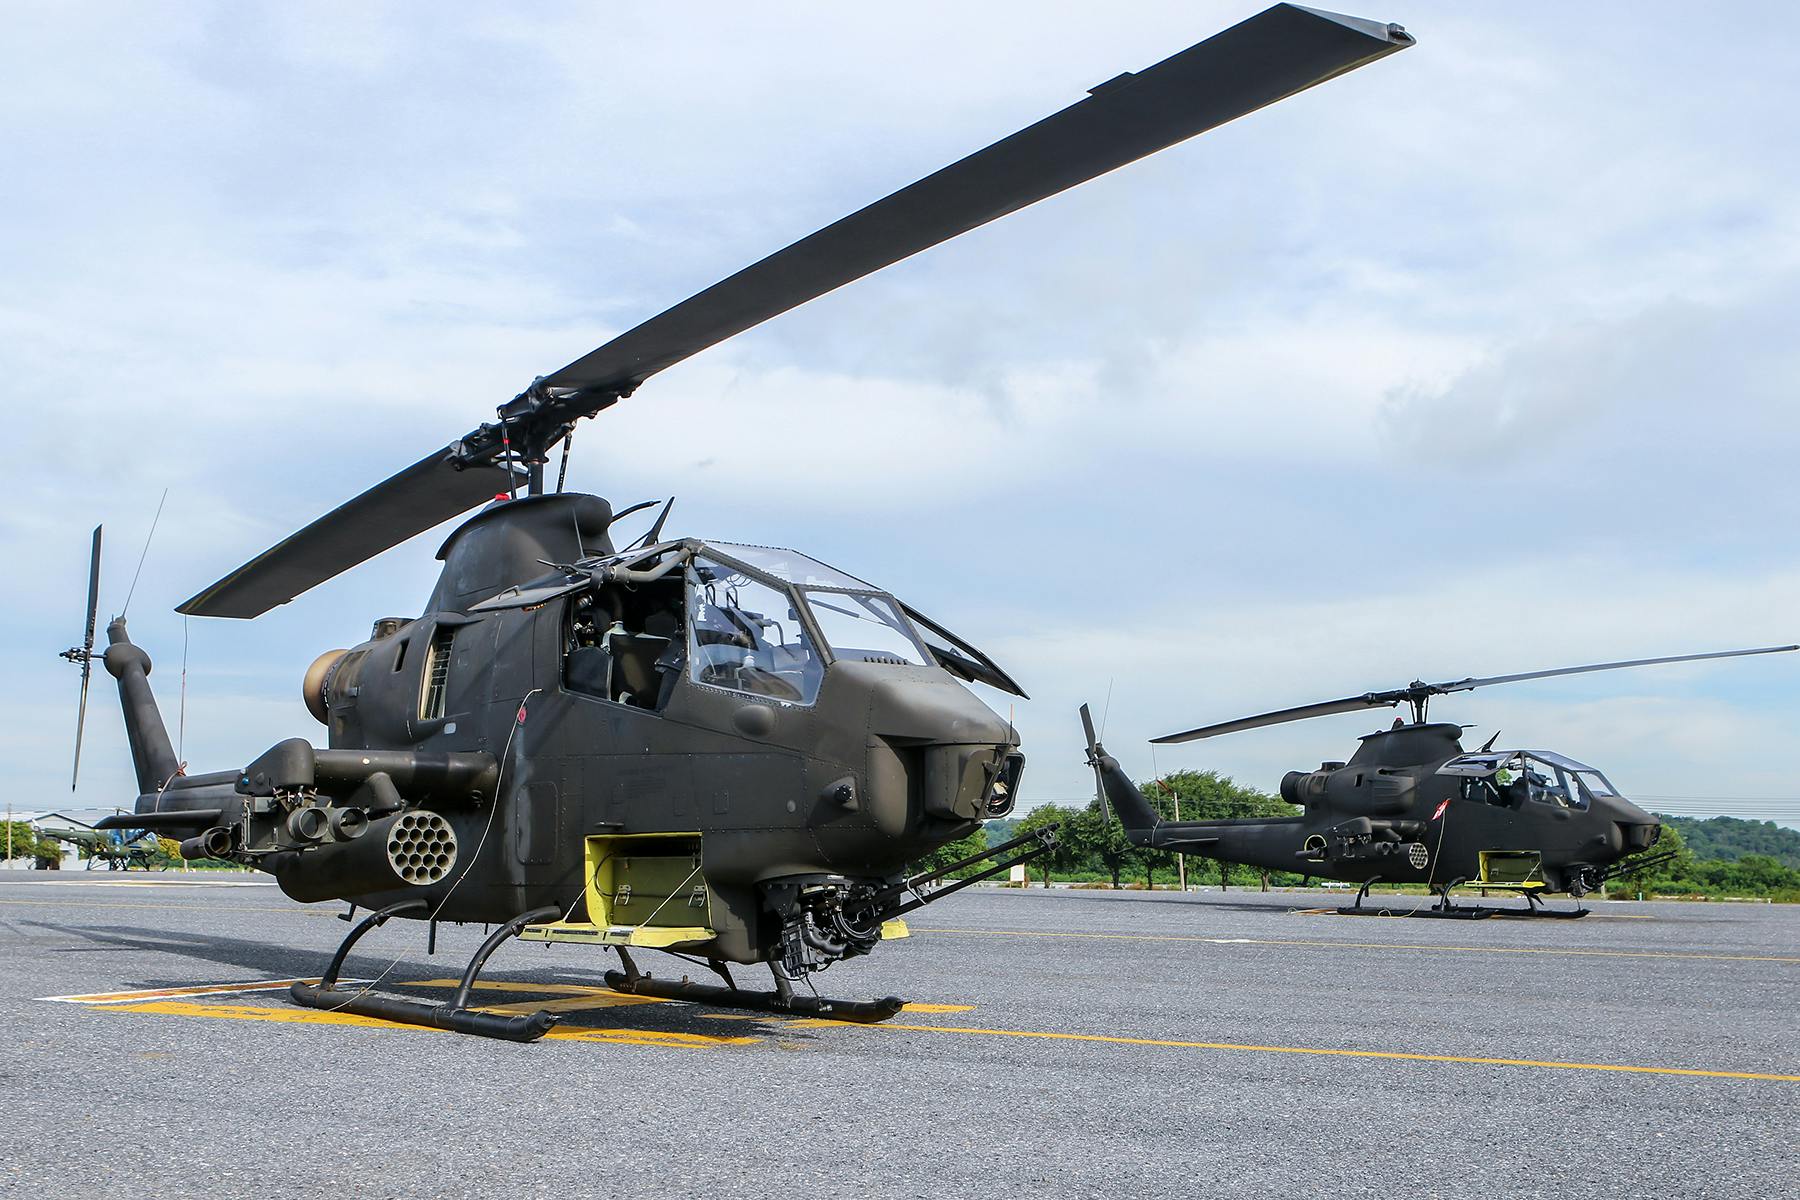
pixel 455 1016
pixel 1534 907
pixel 782 1000
pixel 1452 913
pixel 1444 909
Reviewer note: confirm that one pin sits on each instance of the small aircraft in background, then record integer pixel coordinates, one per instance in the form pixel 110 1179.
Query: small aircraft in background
pixel 113 848
pixel 1412 806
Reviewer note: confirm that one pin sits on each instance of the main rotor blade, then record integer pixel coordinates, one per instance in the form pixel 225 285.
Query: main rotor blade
pixel 1423 691
pixel 1463 685
pixel 1278 717
pixel 427 493
pixel 1269 57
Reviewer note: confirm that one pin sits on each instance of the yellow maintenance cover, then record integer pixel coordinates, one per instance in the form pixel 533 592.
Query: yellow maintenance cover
pixel 1515 870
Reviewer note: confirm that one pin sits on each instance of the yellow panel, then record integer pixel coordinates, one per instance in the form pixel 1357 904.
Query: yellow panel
pixel 894 930
pixel 1516 870
pixel 608 856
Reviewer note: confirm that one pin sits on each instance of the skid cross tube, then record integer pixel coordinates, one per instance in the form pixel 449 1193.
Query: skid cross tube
pixel 1045 839
pixel 456 1016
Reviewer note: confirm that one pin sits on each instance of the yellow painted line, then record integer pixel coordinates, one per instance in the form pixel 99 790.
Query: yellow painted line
pixel 572 1003
pixel 507 985
pixel 575 998
pixel 313 1016
pixel 1558 951
pixel 604 996
pixel 1325 1050
pixel 246 1012
pixel 198 989
pixel 651 1037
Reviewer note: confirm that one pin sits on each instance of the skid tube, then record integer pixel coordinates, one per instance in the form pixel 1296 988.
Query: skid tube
pixel 782 1000
pixel 1535 908
pixel 1442 910
pixel 456 1016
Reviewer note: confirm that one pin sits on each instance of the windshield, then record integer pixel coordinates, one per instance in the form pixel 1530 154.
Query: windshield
pixel 745 635
pixel 864 628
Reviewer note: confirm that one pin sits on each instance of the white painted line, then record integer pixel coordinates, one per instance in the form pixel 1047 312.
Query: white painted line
pixel 198 989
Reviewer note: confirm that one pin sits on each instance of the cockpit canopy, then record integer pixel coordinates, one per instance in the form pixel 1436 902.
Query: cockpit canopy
pixel 756 619
pixel 767 622
pixel 1512 777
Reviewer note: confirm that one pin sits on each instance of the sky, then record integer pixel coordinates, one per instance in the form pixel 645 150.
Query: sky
pixel 1477 360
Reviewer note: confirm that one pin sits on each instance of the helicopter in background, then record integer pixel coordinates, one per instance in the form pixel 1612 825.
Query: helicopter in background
pixel 1412 806
pixel 113 849
pixel 723 751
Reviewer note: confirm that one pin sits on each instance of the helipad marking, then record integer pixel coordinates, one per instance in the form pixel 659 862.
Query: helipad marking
pixel 1326 1050
pixel 577 998
pixel 1170 937
pixel 312 1016
pixel 574 998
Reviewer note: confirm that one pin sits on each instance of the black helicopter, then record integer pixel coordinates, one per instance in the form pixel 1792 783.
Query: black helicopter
pixel 727 751
pixel 1411 806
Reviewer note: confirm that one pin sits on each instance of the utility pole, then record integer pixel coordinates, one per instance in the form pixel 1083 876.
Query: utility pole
pixel 1180 858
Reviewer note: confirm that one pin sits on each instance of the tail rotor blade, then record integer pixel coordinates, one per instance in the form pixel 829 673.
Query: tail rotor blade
pixel 1093 750
pixel 87 653
pixel 80 723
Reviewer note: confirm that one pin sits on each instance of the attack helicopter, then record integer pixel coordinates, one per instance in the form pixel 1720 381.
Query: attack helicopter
pixel 1412 806
pixel 727 752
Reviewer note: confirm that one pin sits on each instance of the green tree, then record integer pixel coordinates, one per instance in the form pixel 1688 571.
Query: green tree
pixel 28 843
pixel 1210 796
pixel 972 843
pixel 1068 849
pixel 1639 880
pixel 17 840
pixel 1097 843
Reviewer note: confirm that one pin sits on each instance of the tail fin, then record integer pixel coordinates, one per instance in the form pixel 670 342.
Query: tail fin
pixel 151 752
pixel 1113 786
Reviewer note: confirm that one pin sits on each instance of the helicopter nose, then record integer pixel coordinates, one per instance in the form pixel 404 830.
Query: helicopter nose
pixel 1639 835
pixel 938 754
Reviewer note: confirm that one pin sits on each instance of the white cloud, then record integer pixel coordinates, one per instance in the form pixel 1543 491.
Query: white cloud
pixel 1481 357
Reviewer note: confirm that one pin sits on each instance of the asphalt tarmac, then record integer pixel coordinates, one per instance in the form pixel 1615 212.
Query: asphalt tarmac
pixel 1063 1043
